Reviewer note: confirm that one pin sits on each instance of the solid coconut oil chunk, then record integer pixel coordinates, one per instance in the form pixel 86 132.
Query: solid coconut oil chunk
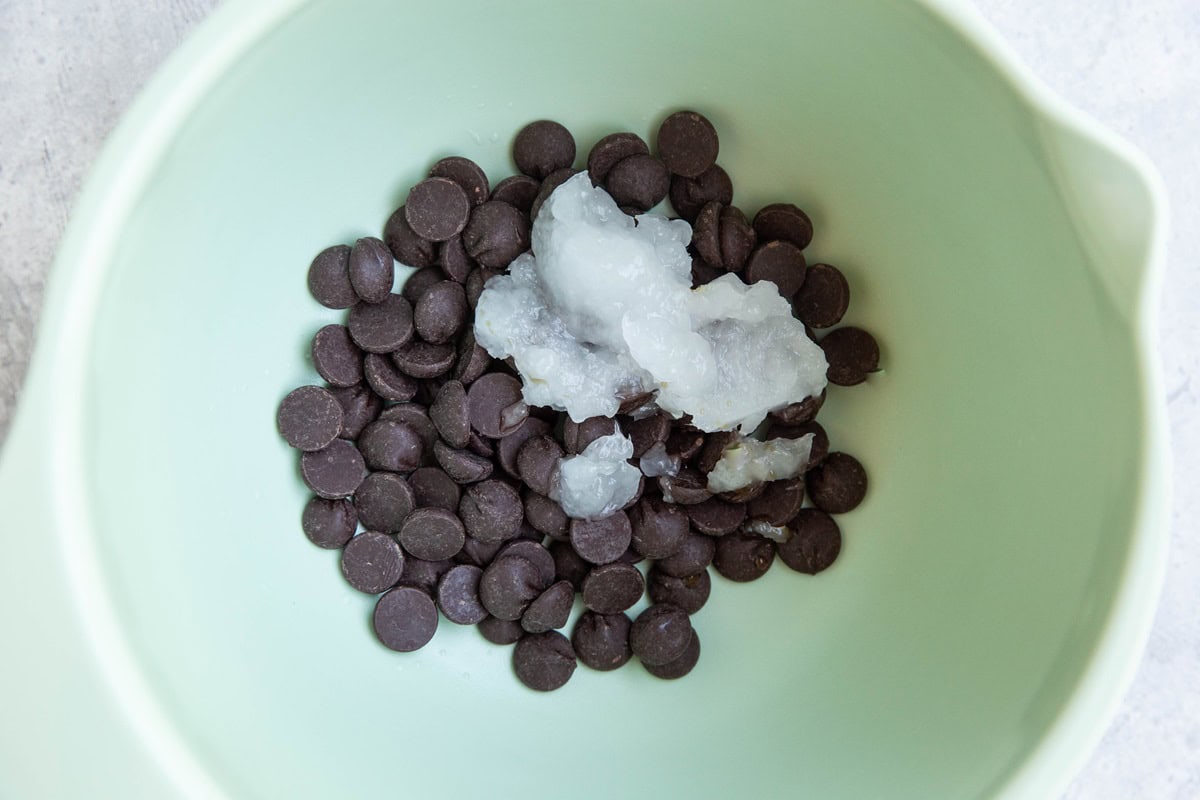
pixel 603 306
pixel 598 481
pixel 751 461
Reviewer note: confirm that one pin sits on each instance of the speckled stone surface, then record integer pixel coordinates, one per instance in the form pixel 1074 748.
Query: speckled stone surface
pixel 68 68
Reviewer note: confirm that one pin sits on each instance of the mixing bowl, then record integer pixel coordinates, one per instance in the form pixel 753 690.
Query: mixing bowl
pixel 169 628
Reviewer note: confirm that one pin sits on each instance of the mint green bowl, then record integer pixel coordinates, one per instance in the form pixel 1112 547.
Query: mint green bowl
pixel 170 631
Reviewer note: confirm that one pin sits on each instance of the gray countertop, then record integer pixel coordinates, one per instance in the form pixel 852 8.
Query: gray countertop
pixel 68 68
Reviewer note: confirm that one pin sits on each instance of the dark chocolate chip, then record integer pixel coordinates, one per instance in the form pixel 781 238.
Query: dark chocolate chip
pixel 632 400
pixel 441 312
pixel 743 556
pixel 518 191
pixel 329 523
pixel 647 432
pixel 310 418
pixel 405 619
pixel 472 362
pixel 546 515
pixel 823 299
pixel 391 446
pixel 496 234
pixel 550 610
pixel 630 556
pixel 689 593
pixel 568 565
pixel 372 562
pixel 416 418
pixel 714 447
pixel 685 443
pixel 851 353
pixel 329 278
pixel 815 542
pixel 501 631
pixel 680 666
pixel 779 502
pixel 693 556
pixel 407 247
pixel 640 182
pixel 688 195
pixel 687 143
pixel 461 465
pixel 542 147
pixel 335 356
pixel 419 282
pixel 576 436
pixel 737 238
pixel 476 282
pixel 784 221
pixel 422 574
pixel 779 262
pixel 480 445
pixel 660 634
pixel 424 360
pixel 382 327
pixel 706 233
pixel 360 407
pixel 489 398
pixel 508 586
pixel 838 484
pixel 477 553
pixel 801 412
pixel 703 273
pixel 492 511
pixel 687 488
pixel 334 471
pixel 449 414
pixel 466 173
pixel 602 640
pixel 601 541
pixel 433 534
pixel 611 150
pixel 509 446
pixel 433 488
pixel 659 529
pixel 437 208
pixel 544 661
pixel 454 261
pixel 612 588
pixel 715 517
pixel 538 463
pixel 384 500
pixel 372 269
pixel 532 551
pixel 552 182
pixel 744 494
pixel 388 382
pixel 458 595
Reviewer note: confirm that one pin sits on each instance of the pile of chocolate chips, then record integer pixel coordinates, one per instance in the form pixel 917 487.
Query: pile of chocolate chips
pixel 423 440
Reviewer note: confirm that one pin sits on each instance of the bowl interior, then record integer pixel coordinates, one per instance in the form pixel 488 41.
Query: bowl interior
pixel 972 583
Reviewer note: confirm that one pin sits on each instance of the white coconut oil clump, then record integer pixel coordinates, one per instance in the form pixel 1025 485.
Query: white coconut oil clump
pixel 599 480
pixel 603 306
pixel 751 461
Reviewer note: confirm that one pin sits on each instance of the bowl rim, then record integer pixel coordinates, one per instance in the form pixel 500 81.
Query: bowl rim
pixel 117 180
